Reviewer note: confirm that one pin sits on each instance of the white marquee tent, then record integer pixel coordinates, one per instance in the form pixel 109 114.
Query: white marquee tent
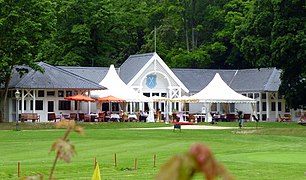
pixel 116 87
pixel 217 91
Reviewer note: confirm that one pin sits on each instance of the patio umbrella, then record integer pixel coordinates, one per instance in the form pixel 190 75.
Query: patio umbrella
pixel 79 98
pixel 110 99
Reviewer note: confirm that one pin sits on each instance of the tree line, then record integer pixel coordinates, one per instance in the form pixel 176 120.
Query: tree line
pixel 231 34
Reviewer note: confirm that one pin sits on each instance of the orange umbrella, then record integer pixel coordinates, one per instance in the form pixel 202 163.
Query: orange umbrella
pixel 79 97
pixel 110 99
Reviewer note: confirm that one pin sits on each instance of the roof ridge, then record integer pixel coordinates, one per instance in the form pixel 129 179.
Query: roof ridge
pixel 145 54
pixel 42 64
pixel 270 78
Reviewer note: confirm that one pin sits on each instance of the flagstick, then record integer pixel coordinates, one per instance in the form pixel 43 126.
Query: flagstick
pixel 154 160
pixel 18 169
pixel 115 160
pixel 135 164
pixel 95 163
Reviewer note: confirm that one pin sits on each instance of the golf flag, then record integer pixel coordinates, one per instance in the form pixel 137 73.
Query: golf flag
pixel 96 174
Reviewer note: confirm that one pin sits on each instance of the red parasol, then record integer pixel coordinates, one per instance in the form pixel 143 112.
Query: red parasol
pixel 79 97
pixel 110 99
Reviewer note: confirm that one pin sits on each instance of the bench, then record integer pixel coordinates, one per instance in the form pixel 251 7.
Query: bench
pixel 177 126
pixel 29 116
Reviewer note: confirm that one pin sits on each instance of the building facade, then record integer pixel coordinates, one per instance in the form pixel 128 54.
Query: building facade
pixel 147 74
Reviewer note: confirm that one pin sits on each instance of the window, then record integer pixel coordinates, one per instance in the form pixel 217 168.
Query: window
pixel 155 94
pixel 41 93
pixel 273 104
pixel 50 93
pixel 280 106
pixel 214 107
pixel 146 94
pixel 243 94
pixel 257 105
pixel 264 117
pixel 256 95
pixel 264 106
pixel 76 105
pixel 24 104
pixel 232 107
pixel 68 93
pixel 60 93
pixel 39 105
pixel 263 96
pixel 250 95
pixel 64 105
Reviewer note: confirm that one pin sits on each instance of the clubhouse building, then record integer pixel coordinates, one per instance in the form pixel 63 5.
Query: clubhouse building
pixel 44 93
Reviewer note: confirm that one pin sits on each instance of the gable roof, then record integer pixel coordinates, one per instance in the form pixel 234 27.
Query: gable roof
pixel 245 80
pixel 52 78
pixel 133 65
pixel 137 64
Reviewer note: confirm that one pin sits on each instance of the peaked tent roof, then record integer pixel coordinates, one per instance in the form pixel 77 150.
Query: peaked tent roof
pixel 116 87
pixel 217 91
pixel 52 78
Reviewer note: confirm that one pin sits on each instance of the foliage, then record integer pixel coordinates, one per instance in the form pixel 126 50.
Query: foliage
pixel 199 158
pixel 26 28
pixel 216 34
pixel 64 149
pixel 273 34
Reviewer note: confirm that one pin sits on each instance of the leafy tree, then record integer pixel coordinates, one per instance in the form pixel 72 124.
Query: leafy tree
pixel 25 28
pixel 273 34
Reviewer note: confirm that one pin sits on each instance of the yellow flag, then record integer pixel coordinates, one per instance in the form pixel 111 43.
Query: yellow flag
pixel 96 174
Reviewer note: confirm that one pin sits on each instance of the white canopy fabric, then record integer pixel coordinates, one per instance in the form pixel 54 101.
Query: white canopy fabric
pixel 116 87
pixel 217 91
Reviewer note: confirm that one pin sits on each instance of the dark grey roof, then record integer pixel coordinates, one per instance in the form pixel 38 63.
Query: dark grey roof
pixel 196 79
pixel 52 78
pixel 133 65
pixel 252 80
pixel 246 80
pixel 95 74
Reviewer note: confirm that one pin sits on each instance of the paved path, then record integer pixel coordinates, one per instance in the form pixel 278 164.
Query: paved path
pixel 190 127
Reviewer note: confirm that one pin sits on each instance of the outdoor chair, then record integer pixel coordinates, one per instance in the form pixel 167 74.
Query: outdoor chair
pixel 51 117
pixel 101 117
pixel 72 116
pixel 230 117
pixel 81 116
pixel 246 117
pixel 281 118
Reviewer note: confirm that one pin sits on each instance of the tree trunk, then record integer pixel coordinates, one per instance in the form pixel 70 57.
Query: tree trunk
pixel 4 116
pixel 186 26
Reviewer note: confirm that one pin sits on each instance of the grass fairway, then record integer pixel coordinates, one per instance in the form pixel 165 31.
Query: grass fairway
pixel 273 151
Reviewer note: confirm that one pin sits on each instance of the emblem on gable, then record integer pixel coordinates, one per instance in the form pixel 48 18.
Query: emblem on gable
pixel 151 81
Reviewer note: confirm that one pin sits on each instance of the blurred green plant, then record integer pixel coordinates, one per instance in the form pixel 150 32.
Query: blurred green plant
pixel 199 158
pixel 65 150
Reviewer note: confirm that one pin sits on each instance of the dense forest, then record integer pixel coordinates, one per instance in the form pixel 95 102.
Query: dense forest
pixel 230 34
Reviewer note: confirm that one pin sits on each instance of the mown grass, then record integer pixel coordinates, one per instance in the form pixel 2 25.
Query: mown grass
pixel 272 151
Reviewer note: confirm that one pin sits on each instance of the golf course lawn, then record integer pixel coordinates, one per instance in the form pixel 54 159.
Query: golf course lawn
pixel 267 152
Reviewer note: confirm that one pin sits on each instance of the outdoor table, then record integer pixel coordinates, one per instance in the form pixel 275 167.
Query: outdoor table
pixel 115 116
pixel 201 116
pixel 132 116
